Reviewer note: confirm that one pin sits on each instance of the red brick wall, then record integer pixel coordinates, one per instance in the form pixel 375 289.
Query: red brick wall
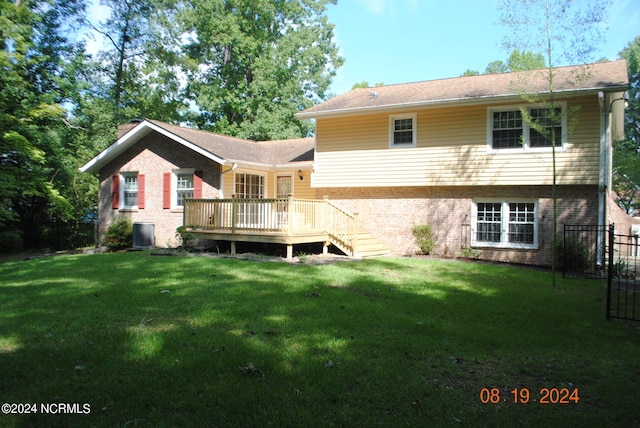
pixel 390 213
pixel 153 156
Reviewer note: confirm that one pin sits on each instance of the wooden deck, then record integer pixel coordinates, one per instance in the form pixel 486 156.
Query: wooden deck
pixel 280 221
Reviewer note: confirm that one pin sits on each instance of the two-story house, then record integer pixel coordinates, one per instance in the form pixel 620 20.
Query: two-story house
pixel 459 154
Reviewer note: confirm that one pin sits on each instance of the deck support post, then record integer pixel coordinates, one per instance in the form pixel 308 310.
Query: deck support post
pixel 233 248
pixel 325 248
pixel 289 251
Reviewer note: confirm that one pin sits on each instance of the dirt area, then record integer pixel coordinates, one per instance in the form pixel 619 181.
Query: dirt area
pixel 307 259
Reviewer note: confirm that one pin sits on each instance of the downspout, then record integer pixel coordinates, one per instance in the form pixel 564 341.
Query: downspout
pixel 233 168
pixel 603 181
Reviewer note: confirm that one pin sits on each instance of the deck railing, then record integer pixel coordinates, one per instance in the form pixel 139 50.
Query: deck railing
pixel 286 216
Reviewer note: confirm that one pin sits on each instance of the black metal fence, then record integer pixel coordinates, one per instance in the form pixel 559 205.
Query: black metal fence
pixel 55 235
pixel 596 251
pixel 623 285
pixel 584 251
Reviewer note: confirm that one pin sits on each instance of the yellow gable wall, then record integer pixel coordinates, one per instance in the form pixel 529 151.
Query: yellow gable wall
pixel 451 149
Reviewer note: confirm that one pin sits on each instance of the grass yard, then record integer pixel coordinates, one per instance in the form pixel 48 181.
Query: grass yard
pixel 134 340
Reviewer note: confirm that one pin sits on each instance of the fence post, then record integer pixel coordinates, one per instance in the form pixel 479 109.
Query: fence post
pixel 610 269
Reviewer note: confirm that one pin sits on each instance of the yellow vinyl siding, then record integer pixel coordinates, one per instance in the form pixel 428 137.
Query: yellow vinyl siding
pixel 301 189
pixel 451 150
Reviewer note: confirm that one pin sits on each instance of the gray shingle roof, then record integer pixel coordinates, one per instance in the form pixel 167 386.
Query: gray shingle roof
pixel 460 90
pixel 217 147
pixel 231 148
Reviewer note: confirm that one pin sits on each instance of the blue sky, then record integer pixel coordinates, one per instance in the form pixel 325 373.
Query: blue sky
pixel 400 41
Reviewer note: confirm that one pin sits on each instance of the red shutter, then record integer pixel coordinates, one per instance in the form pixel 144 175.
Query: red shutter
pixel 141 191
pixel 115 192
pixel 166 191
pixel 197 185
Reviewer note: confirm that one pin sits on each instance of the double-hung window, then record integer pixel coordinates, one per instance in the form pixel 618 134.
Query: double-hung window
pixel 184 187
pixel 402 130
pixel 179 185
pixel 532 128
pixel 509 224
pixel 130 190
pixel 127 191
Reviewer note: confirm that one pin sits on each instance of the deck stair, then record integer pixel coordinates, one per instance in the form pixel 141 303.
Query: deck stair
pixel 366 246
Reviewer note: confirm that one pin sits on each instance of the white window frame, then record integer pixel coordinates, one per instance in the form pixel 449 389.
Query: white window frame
pixel 504 224
pixel 174 185
pixel 414 125
pixel 245 173
pixel 123 199
pixel 526 129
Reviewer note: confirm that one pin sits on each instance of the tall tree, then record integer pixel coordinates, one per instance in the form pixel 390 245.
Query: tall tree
pixel 257 62
pixel 567 32
pixel 626 158
pixel 139 63
pixel 32 119
pixel 518 61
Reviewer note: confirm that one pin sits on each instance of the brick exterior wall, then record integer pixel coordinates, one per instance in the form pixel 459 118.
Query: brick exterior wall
pixel 390 213
pixel 621 220
pixel 153 156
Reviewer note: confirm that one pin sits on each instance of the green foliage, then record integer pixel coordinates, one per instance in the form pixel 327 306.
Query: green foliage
pixel 187 237
pixel 469 253
pixel 424 237
pixel 626 154
pixel 12 241
pixel 119 234
pixel 572 254
pixel 255 64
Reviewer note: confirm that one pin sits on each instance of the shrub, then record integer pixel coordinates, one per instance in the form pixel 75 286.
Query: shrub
pixel 188 238
pixel 12 241
pixel 424 237
pixel 572 255
pixel 469 253
pixel 119 234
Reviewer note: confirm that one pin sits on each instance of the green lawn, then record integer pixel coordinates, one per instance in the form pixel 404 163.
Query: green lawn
pixel 153 341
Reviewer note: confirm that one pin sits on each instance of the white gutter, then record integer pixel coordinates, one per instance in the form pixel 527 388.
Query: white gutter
pixel 603 181
pixel 234 166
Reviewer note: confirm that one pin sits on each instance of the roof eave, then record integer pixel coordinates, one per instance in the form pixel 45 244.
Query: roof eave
pixel 447 103
pixel 272 166
pixel 133 136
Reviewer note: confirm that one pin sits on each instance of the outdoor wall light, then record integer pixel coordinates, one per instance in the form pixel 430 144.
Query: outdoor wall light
pixel 300 176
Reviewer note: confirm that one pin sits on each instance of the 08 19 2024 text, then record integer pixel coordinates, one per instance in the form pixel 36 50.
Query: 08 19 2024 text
pixel 524 396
